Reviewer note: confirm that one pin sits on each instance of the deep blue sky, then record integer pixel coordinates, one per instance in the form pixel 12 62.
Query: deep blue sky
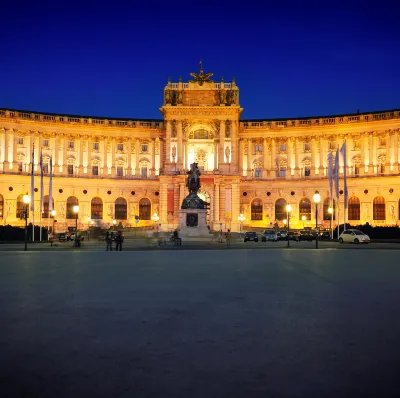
pixel 289 58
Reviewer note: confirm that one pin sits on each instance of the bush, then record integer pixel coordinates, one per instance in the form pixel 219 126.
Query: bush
pixel 9 233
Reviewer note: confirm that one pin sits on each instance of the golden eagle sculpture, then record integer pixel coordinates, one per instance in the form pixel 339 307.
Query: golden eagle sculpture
pixel 201 77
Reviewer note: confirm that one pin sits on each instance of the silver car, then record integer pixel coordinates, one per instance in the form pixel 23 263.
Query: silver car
pixel 269 235
pixel 354 236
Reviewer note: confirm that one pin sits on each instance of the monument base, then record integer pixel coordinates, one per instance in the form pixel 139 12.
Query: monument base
pixel 192 223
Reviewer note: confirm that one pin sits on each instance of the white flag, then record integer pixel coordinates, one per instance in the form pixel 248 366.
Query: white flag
pixel 343 152
pixel 33 180
pixel 51 187
pixel 330 176
pixel 336 173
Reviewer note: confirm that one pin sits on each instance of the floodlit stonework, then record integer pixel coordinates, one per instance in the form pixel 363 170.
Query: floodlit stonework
pixel 122 168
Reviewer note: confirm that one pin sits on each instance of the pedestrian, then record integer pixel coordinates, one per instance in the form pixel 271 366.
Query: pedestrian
pixel 108 241
pixel 118 241
pixel 88 235
pixel 228 237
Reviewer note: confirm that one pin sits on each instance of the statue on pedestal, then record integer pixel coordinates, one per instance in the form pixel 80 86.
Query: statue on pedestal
pixel 192 201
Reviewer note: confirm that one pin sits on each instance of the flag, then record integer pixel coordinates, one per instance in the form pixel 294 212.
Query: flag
pixel 336 173
pixel 33 180
pixel 41 184
pixel 51 187
pixel 330 176
pixel 345 192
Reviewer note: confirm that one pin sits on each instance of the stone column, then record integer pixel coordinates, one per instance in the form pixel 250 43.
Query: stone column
pixel 234 146
pixel 15 142
pixel 321 157
pixel 113 149
pixel 80 167
pixel 167 143
pixel 388 146
pixel 289 157
pixel 164 205
pixel 296 157
pixel 362 152
pixel 374 145
pixel 65 159
pixel 370 154
pixel 221 154
pixel 182 193
pixel 129 157
pixel 105 166
pixel 235 207
pixel 137 171
pixel 265 158
pixel 31 145
pixel 273 158
pixel 249 156
pixel 215 155
pixel 179 151
pixel 89 156
pixel 396 168
pixel 153 157
pixel 6 140
pixel 216 205
pixel 313 151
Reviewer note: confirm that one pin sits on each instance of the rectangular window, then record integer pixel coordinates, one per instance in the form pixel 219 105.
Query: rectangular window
pixel 144 172
pixel 70 169
pixel 258 173
pixel 282 171
pixel 120 171
pixel 357 169
pixel 71 144
pixel 307 171
pixel 282 147
pixel 46 143
pixel 332 144
pixel 20 167
pixel 258 148
pixel 96 146
pixel 307 146
pixel 95 170
pixel 145 148
pixel 45 168
pixel 120 147
pixel 20 140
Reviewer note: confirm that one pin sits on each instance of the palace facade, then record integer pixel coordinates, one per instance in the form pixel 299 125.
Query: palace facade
pixel 116 169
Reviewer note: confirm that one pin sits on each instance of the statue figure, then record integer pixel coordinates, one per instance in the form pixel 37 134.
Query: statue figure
pixel 168 96
pixel 233 96
pixel 228 129
pixel 179 97
pixel 392 213
pixel 227 153
pixel 173 153
pixel 193 180
pixel 222 96
pixel 173 131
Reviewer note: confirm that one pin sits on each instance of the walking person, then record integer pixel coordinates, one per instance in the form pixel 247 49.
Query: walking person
pixel 108 241
pixel 228 237
pixel 118 241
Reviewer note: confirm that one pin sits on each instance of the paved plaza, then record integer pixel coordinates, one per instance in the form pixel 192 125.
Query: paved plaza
pixel 200 323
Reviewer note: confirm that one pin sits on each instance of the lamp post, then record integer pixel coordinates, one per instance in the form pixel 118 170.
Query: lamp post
pixel 330 211
pixel 88 222
pixel 303 219
pixel 27 200
pixel 114 223
pixel 53 214
pixel 155 218
pixel 317 199
pixel 288 210
pixel 241 218
pixel 76 211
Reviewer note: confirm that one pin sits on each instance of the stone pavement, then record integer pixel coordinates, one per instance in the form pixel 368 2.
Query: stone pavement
pixel 216 323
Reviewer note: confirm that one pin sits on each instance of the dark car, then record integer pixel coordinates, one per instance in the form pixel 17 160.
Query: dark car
pixel 250 236
pixel 293 235
pixel 306 236
pixel 324 235
pixel 282 235
pixel 62 237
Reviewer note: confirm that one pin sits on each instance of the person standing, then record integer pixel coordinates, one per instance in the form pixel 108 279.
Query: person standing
pixel 109 241
pixel 118 240
pixel 228 237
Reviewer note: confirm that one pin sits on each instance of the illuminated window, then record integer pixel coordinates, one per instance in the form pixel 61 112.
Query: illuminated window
pixel 20 140
pixel 120 147
pixel 256 210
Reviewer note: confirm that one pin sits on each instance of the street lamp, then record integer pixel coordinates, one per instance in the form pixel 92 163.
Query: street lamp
pixel 304 219
pixel 76 211
pixel 114 223
pixel 330 211
pixel 288 210
pixel 241 218
pixel 155 218
pixel 317 199
pixel 53 214
pixel 88 222
pixel 27 200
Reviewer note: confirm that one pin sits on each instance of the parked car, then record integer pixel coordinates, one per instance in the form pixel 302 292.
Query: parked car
pixel 250 236
pixel 354 236
pixel 62 237
pixel 269 235
pixel 324 235
pixel 282 235
pixel 293 235
pixel 306 236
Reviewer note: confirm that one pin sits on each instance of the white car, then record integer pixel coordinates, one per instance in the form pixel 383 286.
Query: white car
pixel 354 236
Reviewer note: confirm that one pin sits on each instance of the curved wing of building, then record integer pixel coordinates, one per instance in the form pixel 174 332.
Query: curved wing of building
pixel 129 169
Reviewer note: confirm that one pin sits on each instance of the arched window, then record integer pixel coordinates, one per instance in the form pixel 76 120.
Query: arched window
pixel 379 209
pixel 256 209
pixel 97 209
pixel 1 206
pixel 71 202
pixel 354 209
pixel 46 206
pixel 21 207
pixel 144 209
pixel 305 209
pixel 200 134
pixel 280 209
pixel 120 209
pixel 327 215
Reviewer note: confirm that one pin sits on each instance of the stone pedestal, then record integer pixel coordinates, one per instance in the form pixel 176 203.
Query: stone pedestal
pixel 192 223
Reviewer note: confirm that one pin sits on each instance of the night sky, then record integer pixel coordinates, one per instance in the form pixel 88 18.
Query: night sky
pixel 289 59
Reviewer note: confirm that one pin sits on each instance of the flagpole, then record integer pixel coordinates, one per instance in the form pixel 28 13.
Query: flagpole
pixel 50 201
pixel 41 193
pixel 33 192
